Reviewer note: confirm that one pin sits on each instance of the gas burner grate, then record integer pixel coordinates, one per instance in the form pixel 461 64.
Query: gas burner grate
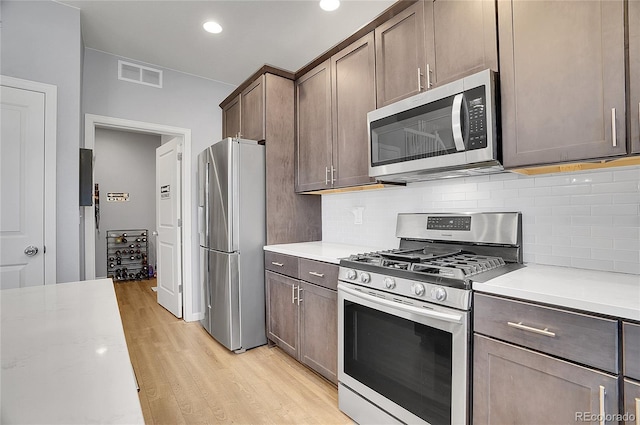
pixel 459 266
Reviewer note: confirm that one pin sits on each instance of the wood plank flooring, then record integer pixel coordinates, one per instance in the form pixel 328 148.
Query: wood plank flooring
pixel 186 377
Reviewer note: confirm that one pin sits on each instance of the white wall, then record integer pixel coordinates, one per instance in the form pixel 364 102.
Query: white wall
pixel 586 220
pixel 185 101
pixel 125 162
pixel 40 41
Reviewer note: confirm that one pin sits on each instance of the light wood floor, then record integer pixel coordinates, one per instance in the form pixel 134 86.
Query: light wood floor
pixel 186 377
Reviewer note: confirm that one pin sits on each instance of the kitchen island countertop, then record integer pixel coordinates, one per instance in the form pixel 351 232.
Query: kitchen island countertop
pixel 329 252
pixel 64 356
pixel 608 293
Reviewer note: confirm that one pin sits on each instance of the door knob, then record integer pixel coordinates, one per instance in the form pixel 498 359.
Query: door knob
pixel 31 250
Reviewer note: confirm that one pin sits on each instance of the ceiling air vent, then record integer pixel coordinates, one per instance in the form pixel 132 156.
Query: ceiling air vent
pixel 134 73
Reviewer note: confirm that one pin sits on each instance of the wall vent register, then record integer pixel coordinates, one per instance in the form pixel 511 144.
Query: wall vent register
pixel 135 73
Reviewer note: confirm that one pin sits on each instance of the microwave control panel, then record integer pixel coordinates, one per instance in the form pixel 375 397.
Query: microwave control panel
pixel 476 104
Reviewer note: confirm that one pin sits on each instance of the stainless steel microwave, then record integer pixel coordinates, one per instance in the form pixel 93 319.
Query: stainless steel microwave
pixel 444 132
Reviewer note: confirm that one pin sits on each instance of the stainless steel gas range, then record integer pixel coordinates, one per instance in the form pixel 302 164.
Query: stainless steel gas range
pixel 404 329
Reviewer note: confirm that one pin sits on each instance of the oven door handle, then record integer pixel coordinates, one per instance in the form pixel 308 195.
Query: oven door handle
pixel 449 317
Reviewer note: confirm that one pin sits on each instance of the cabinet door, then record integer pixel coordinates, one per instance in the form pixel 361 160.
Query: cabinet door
pixel 353 95
pixel 400 55
pixel 634 70
pixel 313 141
pixel 319 330
pixel 631 401
pixel 462 39
pixel 252 106
pixel 282 312
pixel 561 76
pixel 513 385
pixel 231 119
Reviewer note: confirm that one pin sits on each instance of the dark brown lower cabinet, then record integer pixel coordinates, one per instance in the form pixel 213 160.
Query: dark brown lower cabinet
pixel 282 312
pixel 631 402
pixel 302 321
pixel 319 329
pixel 515 385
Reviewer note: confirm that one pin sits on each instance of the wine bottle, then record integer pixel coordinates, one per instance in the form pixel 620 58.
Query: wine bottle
pixel 118 261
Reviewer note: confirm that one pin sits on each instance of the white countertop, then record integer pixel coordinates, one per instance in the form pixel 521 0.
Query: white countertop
pixel 64 356
pixel 329 252
pixel 613 294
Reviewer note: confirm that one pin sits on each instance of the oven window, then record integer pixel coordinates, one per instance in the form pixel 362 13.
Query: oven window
pixel 407 362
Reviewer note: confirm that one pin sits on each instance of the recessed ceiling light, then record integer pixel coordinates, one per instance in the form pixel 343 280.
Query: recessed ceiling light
pixel 212 27
pixel 329 5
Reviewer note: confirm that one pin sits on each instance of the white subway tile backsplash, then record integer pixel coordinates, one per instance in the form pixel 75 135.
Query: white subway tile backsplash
pixel 600 199
pixel 617 187
pixel 613 210
pixel 624 267
pixel 590 263
pixel 587 219
pixel 626 198
pixel 627 173
pixel 591 242
pixel 577 189
pixel 571 210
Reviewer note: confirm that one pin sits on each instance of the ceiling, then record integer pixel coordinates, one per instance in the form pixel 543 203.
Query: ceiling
pixel 168 33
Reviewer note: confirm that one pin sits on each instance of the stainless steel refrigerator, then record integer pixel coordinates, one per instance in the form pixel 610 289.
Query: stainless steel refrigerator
pixel 232 227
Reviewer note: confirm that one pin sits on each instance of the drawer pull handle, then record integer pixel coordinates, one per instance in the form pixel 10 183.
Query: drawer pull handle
pixel 316 274
pixel 602 412
pixel 520 326
pixel 277 264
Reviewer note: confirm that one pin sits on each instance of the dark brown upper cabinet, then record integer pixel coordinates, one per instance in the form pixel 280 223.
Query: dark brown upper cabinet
pixel 313 129
pixel 433 43
pixel 401 56
pixel 244 116
pixel 353 95
pixel 562 79
pixel 252 123
pixel 231 118
pixel 461 38
pixel 332 102
pixel 634 73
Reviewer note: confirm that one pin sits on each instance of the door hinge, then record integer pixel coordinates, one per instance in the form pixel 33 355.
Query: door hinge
pixel 44 249
pixel 179 156
pixel 179 222
pixel 180 288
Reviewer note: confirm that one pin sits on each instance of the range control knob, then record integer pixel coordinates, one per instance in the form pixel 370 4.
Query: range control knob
pixel 439 294
pixel 351 274
pixel 365 278
pixel 418 289
pixel 389 282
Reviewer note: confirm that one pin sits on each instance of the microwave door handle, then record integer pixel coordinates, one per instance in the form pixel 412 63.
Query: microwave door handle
pixel 456 122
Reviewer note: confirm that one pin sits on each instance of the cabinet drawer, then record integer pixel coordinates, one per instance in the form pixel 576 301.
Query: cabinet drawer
pixel 631 401
pixel 322 274
pixel 631 350
pixel 577 337
pixel 281 263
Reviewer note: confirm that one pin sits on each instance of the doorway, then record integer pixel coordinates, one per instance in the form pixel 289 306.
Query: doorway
pixel 124 200
pixel 192 311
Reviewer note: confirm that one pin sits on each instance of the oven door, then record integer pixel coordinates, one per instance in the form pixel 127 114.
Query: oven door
pixel 411 361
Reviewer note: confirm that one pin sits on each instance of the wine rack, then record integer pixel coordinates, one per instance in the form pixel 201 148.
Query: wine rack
pixel 128 254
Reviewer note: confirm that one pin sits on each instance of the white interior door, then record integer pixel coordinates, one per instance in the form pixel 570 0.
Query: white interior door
pixel 22 165
pixel 168 219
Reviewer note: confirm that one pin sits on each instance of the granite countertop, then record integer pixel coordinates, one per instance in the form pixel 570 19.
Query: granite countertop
pixel 64 356
pixel 608 293
pixel 329 252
